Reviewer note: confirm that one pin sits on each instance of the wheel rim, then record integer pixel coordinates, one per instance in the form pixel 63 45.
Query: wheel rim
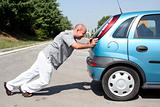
pixel 121 83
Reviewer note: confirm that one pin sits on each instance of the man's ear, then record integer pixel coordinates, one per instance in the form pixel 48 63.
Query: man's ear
pixel 78 29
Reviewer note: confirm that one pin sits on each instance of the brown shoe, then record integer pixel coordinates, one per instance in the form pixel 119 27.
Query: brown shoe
pixel 27 94
pixel 8 92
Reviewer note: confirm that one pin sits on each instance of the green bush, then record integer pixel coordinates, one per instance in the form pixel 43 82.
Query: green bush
pixel 41 34
pixel 40 17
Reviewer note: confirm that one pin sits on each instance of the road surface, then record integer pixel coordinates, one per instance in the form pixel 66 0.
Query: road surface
pixel 70 85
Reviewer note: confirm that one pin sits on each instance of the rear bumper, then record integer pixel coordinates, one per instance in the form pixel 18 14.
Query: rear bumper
pixel 97 65
pixel 94 71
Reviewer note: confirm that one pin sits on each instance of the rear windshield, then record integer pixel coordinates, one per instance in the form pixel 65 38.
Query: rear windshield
pixel 96 34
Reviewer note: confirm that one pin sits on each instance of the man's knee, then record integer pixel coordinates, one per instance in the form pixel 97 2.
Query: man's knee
pixel 44 82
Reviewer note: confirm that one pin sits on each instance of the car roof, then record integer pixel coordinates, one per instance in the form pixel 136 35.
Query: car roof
pixel 140 13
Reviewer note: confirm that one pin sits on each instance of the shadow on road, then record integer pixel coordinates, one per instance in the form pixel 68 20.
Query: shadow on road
pixel 96 87
pixel 57 89
pixel 150 93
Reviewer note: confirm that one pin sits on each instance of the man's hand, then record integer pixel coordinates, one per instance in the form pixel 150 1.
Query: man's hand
pixel 93 41
pixel 90 44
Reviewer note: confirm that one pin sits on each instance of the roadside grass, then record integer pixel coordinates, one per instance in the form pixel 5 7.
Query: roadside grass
pixel 4 43
pixel 11 42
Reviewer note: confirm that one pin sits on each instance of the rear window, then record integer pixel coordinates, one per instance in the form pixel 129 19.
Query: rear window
pixel 106 26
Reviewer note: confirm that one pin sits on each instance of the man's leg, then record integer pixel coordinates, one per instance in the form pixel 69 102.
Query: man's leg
pixel 45 71
pixel 24 77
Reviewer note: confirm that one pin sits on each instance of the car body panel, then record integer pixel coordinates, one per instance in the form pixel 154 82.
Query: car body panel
pixel 145 59
pixel 125 49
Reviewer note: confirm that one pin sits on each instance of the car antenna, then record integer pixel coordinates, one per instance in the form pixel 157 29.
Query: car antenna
pixel 119 7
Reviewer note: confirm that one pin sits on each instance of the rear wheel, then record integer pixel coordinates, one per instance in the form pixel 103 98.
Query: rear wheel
pixel 121 83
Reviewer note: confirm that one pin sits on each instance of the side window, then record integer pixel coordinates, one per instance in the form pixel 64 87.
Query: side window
pixel 148 27
pixel 122 30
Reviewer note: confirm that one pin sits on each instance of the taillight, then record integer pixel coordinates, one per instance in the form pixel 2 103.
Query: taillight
pixel 93 64
pixel 108 26
pixel 90 62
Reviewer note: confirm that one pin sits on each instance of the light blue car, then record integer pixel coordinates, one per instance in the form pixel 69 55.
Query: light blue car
pixel 127 55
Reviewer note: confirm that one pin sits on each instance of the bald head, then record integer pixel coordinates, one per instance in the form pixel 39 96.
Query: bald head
pixel 81 27
pixel 79 31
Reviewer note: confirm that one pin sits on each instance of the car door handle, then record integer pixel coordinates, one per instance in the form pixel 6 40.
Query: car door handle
pixel 141 48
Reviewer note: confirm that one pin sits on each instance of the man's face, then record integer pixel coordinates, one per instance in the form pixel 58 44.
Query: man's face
pixel 80 33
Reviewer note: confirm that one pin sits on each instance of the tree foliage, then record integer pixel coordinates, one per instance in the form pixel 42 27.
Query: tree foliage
pixel 101 21
pixel 40 17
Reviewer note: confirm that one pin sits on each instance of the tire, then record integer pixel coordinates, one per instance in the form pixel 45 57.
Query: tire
pixel 121 83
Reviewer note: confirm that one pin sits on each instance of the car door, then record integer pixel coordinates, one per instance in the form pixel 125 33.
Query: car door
pixel 144 46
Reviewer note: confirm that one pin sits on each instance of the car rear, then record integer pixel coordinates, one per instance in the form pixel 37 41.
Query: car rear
pixel 95 60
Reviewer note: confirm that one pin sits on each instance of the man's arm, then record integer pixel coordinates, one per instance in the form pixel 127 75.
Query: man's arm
pixel 92 43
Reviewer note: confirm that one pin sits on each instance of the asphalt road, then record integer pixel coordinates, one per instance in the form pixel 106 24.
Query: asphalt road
pixel 70 85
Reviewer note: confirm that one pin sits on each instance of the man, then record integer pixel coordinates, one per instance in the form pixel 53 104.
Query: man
pixel 49 59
